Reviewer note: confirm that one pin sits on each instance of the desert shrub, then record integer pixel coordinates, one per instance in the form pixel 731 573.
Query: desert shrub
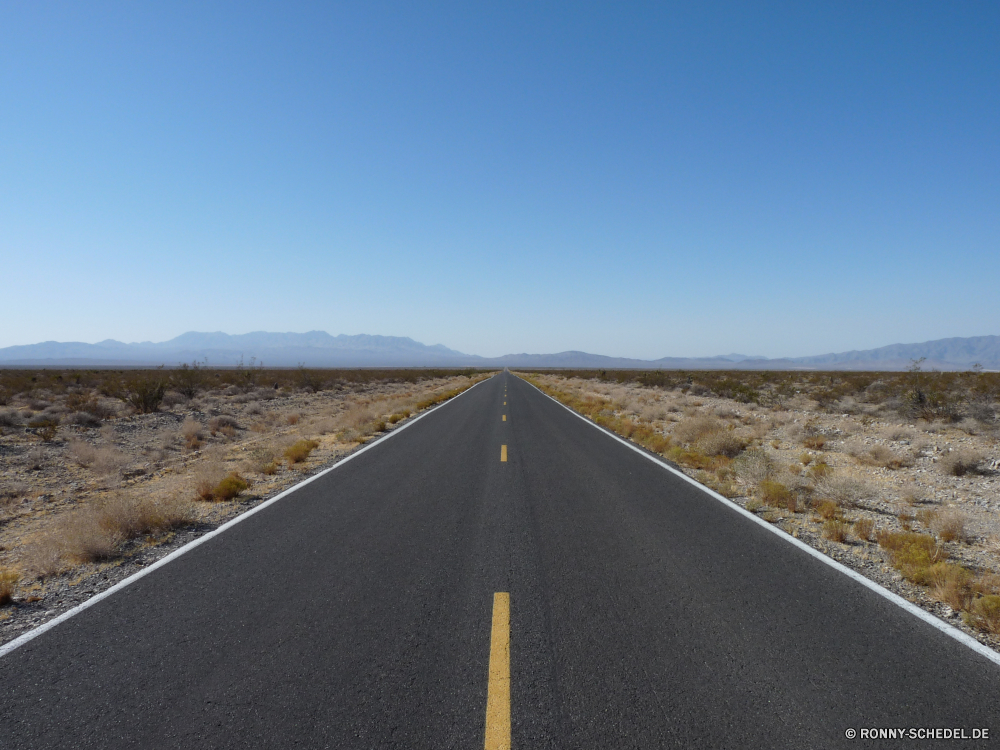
pixel 846 491
pixel 81 537
pixel 775 494
pixel 143 391
pixel 221 423
pixel 814 442
pixel 263 459
pixel 230 487
pixel 110 460
pixel 863 529
pixel 722 443
pixel 692 429
pixel 835 530
pixel 300 450
pixel 293 419
pixel 912 553
pixel 207 476
pixel 129 516
pixel 950 584
pixel 820 470
pixel 827 509
pixel 192 434
pixel 82 453
pixel 9 418
pixel 754 466
pixel 187 380
pixel 961 462
pixel 8 584
pixel 984 613
pixel 34 459
pixel 949 525
pixel 881 455
pixel 83 419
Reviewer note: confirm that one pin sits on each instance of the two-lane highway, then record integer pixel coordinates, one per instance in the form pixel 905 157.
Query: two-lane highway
pixel 374 607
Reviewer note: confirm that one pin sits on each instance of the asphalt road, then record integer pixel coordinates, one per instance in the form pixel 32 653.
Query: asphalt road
pixel 357 613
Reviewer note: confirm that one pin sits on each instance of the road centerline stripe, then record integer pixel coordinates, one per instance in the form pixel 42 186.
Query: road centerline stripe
pixel 503 452
pixel 498 692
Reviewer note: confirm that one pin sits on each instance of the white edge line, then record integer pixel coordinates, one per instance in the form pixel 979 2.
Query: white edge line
pixel 963 638
pixel 34 633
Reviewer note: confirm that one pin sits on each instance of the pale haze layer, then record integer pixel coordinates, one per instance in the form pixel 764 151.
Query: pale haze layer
pixel 636 180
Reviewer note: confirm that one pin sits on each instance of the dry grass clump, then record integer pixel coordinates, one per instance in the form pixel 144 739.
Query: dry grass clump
pixel 300 450
pixel 223 423
pixel 263 459
pixel 103 459
pixel 863 529
pixel 835 530
pixel 961 462
pixel 228 488
pixel 948 524
pixel 693 429
pixel 881 455
pixel 984 613
pixel 776 495
pixel 191 432
pixel 754 466
pixel 912 553
pixel 96 532
pixel 722 443
pixel 293 419
pixel 951 584
pixel 846 491
pixel 827 509
pixel 8 584
pixel 814 442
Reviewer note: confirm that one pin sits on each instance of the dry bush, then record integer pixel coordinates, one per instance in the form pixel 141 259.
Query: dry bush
pixel 300 450
pixel 192 434
pixel 692 429
pixel 754 466
pixel 846 491
pixel 984 613
pixel 970 426
pixel 881 455
pixel 950 584
pixel 129 516
pixel 293 419
pixel 263 459
pixel 912 494
pixel 221 423
pixel 84 454
pixel 109 461
pixel 863 529
pixel 827 509
pixel 961 462
pixel 949 525
pixel 835 530
pixel 722 443
pixel 207 476
pixel 81 537
pixel 34 459
pixel 912 554
pixel 8 584
pixel 814 442
pixel 9 418
pixel 776 495
pixel 228 488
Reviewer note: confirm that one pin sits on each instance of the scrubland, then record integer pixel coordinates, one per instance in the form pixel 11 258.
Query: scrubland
pixel 896 475
pixel 103 472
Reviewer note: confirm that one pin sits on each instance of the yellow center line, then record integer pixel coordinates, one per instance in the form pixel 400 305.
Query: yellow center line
pixel 498 694
pixel 504 417
pixel 503 452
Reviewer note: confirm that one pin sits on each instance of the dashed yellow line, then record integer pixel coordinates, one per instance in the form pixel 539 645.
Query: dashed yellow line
pixel 504 417
pixel 498 693
pixel 503 452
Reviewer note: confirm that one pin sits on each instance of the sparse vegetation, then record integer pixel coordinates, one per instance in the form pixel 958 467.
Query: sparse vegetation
pixel 300 450
pixel 8 584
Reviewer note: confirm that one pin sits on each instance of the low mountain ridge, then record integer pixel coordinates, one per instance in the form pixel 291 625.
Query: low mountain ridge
pixel 320 349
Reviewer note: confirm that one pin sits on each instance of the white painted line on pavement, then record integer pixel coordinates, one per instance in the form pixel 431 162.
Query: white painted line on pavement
pixel 913 609
pixel 32 634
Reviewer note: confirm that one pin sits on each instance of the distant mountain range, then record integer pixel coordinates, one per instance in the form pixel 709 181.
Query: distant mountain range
pixel 320 349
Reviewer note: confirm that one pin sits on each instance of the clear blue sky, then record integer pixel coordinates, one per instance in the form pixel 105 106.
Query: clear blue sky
pixel 622 178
